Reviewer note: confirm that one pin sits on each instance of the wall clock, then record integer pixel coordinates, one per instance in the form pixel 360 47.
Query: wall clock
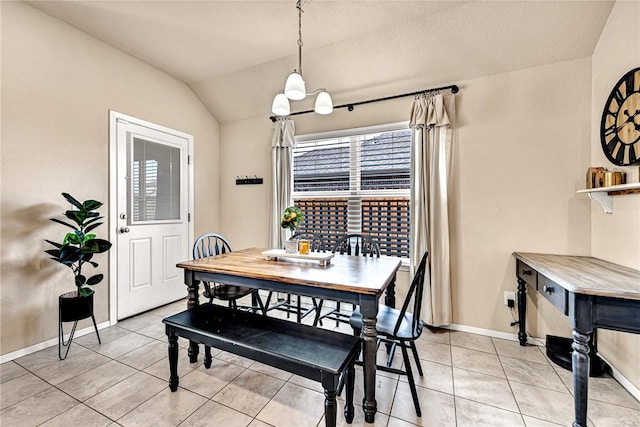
pixel 620 125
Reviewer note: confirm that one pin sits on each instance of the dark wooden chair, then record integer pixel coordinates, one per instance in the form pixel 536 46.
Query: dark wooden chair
pixel 316 244
pixel 400 328
pixel 213 244
pixel 354 245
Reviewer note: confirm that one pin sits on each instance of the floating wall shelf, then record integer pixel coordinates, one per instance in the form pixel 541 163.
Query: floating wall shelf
pixel 604 195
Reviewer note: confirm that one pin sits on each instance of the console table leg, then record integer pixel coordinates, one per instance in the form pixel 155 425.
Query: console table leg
pixel 581 367
pixel 522 312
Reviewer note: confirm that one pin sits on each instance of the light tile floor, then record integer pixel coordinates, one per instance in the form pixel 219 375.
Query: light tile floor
pixel 469 380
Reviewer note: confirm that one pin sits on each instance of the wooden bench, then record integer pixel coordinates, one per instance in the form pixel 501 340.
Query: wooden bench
pixel 313 353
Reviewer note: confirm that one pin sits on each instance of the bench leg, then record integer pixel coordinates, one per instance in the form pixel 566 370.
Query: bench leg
pixel 349 380
pixel 330 384
pixel 207 356
pixel 173 362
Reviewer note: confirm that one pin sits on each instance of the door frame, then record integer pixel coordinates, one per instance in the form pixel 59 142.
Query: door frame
pixel 114 116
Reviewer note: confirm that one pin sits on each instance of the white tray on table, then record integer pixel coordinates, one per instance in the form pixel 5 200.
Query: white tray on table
pixel 323 257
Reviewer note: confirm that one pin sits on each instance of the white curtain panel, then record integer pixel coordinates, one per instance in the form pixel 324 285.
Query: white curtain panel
pixel 431 121
pixel 281 178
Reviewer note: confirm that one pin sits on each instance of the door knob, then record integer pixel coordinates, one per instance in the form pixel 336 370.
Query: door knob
pixel 124 229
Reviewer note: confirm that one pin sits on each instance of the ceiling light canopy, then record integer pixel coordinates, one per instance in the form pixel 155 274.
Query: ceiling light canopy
pixel 295 88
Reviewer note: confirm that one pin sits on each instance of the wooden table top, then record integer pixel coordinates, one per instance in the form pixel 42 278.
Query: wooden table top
pixel 586 275
pixel 346 273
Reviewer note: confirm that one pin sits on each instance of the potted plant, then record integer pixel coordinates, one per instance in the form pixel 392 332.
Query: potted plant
pixel 291 219
pixel 76 251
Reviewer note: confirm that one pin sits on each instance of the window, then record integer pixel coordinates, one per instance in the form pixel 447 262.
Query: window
pixel 155 187
pixel 356 181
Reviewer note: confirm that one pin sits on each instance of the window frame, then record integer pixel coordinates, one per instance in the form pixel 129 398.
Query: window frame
pixel 351 194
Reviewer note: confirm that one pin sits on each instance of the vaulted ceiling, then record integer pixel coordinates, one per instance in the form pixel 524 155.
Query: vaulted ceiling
pixel 236 55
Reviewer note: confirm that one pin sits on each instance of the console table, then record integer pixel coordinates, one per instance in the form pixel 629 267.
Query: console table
pixel 594 294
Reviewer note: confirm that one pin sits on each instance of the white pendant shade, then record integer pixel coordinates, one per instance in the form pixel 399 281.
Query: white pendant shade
pixel 324 104
pixel 294 88
pixel 280 106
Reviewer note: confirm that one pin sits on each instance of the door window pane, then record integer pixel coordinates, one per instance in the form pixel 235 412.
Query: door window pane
pixel 155 182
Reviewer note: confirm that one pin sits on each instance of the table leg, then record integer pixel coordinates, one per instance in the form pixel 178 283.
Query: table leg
pixel 581 316
pixel 193 289
pixel 522 312
pixel 581 367
pixel 369 310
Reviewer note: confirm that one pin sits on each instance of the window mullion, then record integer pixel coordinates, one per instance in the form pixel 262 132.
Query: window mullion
pixel 355 205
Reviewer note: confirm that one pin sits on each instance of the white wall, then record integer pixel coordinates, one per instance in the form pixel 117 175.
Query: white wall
pixel 58 85
pixel 616 237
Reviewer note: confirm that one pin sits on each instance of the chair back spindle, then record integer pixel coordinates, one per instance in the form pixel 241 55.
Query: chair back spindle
pixel 357 245
pixel 416 291
pixel 316 243
pixel 210 244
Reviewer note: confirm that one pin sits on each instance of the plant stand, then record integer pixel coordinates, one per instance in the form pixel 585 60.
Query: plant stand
pixel 73 308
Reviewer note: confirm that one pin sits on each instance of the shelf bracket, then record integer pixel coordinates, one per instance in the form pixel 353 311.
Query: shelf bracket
pixel 604 199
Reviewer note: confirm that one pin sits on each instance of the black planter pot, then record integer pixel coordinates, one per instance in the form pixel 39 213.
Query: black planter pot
pixel 72 308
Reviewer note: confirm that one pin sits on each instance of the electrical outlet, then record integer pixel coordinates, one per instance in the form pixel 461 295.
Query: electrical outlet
pixel 509 295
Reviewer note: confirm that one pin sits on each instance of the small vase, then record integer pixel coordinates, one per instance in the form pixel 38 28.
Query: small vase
pixel 291 246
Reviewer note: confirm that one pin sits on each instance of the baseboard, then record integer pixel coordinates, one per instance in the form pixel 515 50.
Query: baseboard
pixel 624 382
pixel 494 334
pixel 49 343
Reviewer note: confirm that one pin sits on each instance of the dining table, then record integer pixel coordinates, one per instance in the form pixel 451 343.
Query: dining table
pixel 352 279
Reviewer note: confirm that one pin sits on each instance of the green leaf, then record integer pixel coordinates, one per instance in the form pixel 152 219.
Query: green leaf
pixel 89 247
pixel 91 205
pixel 57 245
pixel 72 200
pixel 55 253
pixel 97 246
pixel 92 226
pixel 63 223
pixel 93 219
pixel 94 264
pixel 70 254
pixel 84 291
pixel 94 280
pixel 80 280
pixel 77 216
pixel 88 237
pixel 71 238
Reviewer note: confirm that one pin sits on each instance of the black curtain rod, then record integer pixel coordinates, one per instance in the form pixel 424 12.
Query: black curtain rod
pixel 351 105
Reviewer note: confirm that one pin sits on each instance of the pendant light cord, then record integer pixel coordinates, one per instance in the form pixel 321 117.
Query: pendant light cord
pixel 299 7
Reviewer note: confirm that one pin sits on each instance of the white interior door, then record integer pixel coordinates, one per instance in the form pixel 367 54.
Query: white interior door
pixel 152 207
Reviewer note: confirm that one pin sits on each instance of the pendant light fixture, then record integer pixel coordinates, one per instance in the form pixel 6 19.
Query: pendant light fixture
pixel 295 88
